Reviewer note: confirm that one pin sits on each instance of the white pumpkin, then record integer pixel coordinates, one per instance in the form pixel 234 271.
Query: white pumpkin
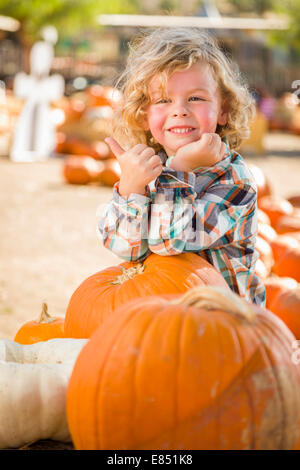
pixel 33 385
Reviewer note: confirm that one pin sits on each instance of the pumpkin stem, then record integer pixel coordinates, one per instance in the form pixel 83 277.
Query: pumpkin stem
pixel 45 317
pixel 216 298
pixel 129 273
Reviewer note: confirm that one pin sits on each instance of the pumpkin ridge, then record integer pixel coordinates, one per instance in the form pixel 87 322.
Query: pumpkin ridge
pixel 100 371
pixel 278 388
pixel 107 359
pixel 144 338
pixel 215 405
pixel 282 340
pixel 179 348
pixel 246 388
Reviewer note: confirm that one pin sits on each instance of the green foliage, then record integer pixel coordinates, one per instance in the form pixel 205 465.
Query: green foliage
pixel 291 37
pixel 68 16
pixel 286 39
pixel 252 6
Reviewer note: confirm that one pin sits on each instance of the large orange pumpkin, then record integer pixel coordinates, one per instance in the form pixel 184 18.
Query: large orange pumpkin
pixel 286 305
pixel 47 327
pixel 206 370
pixel 100 294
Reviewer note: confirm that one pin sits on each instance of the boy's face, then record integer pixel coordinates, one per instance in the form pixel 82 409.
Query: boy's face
pixel 192 107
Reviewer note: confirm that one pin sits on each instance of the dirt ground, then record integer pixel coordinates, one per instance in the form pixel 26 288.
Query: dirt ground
pixel 48 237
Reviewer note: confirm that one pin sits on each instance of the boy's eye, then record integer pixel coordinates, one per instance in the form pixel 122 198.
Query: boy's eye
pixel 196 98
pixel 162 101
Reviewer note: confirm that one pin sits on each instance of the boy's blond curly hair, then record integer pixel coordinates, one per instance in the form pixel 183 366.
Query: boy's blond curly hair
pixel 164 51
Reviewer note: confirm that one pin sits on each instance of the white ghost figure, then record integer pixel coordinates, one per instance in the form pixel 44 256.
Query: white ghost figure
pixel 35 135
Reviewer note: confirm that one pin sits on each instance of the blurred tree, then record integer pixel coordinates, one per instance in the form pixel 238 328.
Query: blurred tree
pixel 253 6
pixel 68 16
pixel 286 39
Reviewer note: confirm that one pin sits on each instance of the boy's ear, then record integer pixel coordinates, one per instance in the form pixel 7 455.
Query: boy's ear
pixel 222 118
pixel 145 124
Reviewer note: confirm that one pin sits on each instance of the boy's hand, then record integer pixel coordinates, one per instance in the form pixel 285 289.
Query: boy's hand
pixel 206 151
pixel 139 166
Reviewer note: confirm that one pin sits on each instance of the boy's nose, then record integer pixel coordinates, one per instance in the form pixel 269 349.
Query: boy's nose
pixel 179 110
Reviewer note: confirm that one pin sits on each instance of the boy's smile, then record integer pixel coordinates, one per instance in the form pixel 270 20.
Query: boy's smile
pixel 191 107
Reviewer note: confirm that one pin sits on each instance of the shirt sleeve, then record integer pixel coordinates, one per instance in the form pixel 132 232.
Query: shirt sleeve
pixel 124 225
pixel 181 220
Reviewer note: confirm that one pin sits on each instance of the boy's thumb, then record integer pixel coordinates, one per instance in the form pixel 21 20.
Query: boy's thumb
pixel 116 148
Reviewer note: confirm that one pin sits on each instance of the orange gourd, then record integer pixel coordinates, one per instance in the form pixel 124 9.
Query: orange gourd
pixel 276 285
pixel 206 370
pixel 100 294
pixel 286 305
pixel 289 264
pixel 275 207
pixel 47 327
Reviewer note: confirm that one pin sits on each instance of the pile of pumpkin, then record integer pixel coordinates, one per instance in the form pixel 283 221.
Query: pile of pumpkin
pixel 161 354
pixel 278 244
pixel 158 354
pixel 86 157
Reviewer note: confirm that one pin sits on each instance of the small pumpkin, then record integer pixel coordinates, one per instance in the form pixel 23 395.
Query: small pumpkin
pixel 206 370
pixel 289 264
pixel 295 200
pixel 276 285
pixel 100 150
pixel 47 327
pixel 281 244
pixel 262 183
pixel 288 223
pixel 286 305
pixel 267 232
pixel 33 385
pixel 262 217
pixel 261 270
pixel 275 207
pixel 81 169
pixel 100 294
pixel 111 172
pixel 265 252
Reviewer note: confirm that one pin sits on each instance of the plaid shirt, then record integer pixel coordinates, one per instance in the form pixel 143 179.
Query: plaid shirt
pixel 211 211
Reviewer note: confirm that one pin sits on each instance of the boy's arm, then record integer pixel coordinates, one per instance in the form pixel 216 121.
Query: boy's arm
pixel 181 222
pixel 124 225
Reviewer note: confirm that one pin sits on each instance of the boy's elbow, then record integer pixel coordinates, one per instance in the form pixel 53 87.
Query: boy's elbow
pixel 167 247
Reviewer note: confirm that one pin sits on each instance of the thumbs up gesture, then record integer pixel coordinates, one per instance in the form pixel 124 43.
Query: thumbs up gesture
pixel 139 165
